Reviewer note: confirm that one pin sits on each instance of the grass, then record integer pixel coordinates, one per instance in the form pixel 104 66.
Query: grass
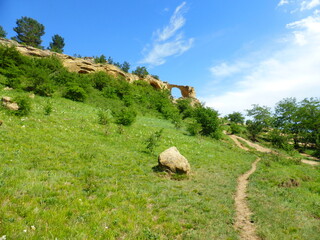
pixel 285 199
pixel 63 177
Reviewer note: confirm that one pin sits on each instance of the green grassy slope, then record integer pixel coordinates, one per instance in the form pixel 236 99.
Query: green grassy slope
pixel 285 199
pixel 66 177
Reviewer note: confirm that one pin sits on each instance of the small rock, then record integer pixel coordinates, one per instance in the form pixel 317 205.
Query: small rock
pixel 7 102
pixel 12 106
pixel 172 160
pixel 8 89
pixel 6 99
pixel 32 96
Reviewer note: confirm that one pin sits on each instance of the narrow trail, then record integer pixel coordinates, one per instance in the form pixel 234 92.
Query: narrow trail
pixel 243 223
pixel 311 160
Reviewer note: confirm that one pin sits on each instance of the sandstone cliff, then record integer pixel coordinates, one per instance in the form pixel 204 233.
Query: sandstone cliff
pixel 84 66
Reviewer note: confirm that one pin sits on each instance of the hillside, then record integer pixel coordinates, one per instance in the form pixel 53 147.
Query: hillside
pixel 71 170
pixel 85 65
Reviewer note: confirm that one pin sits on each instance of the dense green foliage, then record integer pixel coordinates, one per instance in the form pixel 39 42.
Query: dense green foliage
pixel 236 117
pixel 47 77
pixel 209 121
pixel 295 124
pixel 101 59
pixel 57 44
pixel 3 33
pixel 29 31
pixel 141 72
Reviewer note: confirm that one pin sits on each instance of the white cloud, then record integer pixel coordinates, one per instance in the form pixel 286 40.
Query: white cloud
pixel 283 2
pixel 225 70
pixel 292 71
pixel 169 41
pixel 307 5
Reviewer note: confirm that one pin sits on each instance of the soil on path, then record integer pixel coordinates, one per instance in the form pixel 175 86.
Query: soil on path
pixel 311 160
pixel 243 223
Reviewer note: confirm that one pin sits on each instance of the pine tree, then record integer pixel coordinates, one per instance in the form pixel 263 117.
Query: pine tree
pixel 3 33
pixel 29 31
pixel 57 44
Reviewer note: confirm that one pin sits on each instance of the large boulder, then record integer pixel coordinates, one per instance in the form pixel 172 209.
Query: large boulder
pixel 172 160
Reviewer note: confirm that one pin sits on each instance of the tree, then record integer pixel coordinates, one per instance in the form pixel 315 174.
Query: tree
pixel 29 31
pixel 141 72
pixel 236 117
pixel 3 33
pixel 261 119
pixel 57 44
pixel 125 66
pixel 101 59
pixel 209 121
pixel 260 114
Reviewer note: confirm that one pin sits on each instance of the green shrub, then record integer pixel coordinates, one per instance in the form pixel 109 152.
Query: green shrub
pixel 75 93
pixel 24 104
pixel 153 141
pixel 105 117
pixel 48 108
pixel 280 140
pixel 194 128
pixel 126 116
pixel 236 128
pixel 209 121
pixel 185 108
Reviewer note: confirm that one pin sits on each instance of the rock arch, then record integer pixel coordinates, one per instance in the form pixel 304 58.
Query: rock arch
pixel 186 91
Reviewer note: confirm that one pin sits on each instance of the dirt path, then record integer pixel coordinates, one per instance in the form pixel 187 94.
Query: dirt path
pixel 243 222
pixel 251 144
pixel 312 161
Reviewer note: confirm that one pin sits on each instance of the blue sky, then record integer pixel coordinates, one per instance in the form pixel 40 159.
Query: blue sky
pixel 235 53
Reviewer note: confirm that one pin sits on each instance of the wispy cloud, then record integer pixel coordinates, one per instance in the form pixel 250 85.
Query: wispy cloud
pixel 290 71
pixel 309 4
pixel 283 2
pixel 168 41
pixel 225 69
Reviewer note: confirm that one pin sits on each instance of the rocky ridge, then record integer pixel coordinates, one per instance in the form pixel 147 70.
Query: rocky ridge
pixel 85 66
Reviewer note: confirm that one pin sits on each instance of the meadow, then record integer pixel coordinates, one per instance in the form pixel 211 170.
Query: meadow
pixel 69 169
pixel 65 176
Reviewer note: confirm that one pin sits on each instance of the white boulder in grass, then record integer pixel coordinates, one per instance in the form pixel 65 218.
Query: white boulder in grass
pixel 172 160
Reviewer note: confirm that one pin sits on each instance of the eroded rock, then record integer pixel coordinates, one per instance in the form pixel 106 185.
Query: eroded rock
pixel 8 103
pixel 171 159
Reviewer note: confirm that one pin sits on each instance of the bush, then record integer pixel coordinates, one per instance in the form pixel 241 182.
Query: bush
pixel 24 104
pixel 236 128
pixel 141 72
pixel 153 141
pixel 105 117
pixel 48 108
pixel 209 121
pixel 126 117
pixel 194 128
pixel 75 93
pixel 279 140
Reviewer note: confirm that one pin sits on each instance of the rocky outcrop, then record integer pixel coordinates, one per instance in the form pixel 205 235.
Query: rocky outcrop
pixel 86 65
pixel 186 91
pixel 9 104
pixel 172 160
